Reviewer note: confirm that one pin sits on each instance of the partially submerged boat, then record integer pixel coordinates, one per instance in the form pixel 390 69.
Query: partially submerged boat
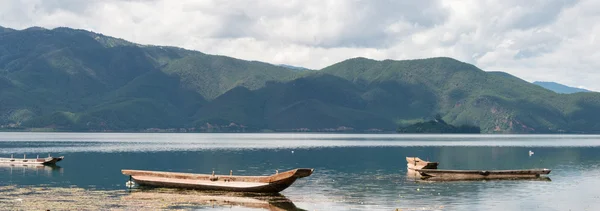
pixel 258 184
pixel 43 161
pixel 452 175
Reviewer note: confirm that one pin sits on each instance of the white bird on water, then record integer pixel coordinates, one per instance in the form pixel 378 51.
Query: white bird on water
pixel 530 153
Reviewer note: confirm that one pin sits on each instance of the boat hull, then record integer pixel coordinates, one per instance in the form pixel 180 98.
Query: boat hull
pixel 258 188
pixel 257 184
pixel 42 161
pixel 437 174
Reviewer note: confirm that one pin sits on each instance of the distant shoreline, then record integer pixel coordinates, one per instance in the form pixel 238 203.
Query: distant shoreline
pixel 285 132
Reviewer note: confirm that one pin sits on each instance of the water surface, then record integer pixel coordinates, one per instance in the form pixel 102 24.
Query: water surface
pixel 352 171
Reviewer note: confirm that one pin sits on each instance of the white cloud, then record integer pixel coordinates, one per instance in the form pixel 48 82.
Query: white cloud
pixel 549 40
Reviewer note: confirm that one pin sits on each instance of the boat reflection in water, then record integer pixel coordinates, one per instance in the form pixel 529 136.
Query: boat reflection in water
pixel 190 199
pixel 22 168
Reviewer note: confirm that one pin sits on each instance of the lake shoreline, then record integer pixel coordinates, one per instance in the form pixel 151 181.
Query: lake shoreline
pixel 277 132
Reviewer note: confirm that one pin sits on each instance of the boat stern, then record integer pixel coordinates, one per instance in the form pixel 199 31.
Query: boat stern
pixel 546 171
pixel 417 163
pixel 52 160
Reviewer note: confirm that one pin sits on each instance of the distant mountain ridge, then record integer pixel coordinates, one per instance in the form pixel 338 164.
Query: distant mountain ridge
pixel 75 80
pixel 559 88
pixel 294 67
pixel 2 29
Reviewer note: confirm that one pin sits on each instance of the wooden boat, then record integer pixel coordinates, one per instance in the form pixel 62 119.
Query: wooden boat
pixel 415 176
pixel 452 175
pixel 44 161
pixel 257 184
pixel 417 163
pixel 439 174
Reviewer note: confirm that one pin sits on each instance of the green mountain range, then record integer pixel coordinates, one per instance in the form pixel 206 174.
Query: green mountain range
pixel 76 80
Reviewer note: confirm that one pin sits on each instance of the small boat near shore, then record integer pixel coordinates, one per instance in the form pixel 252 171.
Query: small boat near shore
pixel 43 161
pixel 440 174
pixel 257 184
pixel 454 175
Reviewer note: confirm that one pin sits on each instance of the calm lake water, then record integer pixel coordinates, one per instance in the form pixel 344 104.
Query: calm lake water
pixel 352 171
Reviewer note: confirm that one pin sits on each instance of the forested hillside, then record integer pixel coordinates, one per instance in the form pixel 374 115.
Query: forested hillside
pixel 76 80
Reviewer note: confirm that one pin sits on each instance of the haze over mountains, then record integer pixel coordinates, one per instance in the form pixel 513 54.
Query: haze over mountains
pixel 559 88
pixel 68 79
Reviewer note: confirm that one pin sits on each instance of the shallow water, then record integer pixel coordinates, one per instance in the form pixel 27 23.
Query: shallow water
pixel 352 171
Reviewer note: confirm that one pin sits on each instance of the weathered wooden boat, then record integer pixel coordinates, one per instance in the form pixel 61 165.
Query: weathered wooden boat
pixel 451 175
pixel 417 163
pixel 439 174
pixel 44 161
pixel 258 184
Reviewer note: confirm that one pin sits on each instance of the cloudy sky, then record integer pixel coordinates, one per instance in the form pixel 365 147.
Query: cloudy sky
pixel 547 40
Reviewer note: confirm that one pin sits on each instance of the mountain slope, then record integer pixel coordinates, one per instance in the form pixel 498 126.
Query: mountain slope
pixel 316 102
pixel 212 76
pixel 365 94
pixel 468 95
pixel 47 73
pixel 2 29
pixel 559 88
pixel 294 68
